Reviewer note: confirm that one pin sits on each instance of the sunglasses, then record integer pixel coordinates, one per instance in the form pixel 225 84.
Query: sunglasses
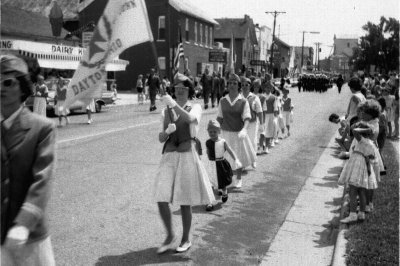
pixel 232 83
pixel 8 82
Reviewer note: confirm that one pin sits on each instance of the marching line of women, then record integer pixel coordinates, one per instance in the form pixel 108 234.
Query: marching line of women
pixel 251 118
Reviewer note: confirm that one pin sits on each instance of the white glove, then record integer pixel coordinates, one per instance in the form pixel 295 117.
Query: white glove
pixel 171 128
pixel 167 99
pixel 238 164
pixel 18 235
pixel 242 134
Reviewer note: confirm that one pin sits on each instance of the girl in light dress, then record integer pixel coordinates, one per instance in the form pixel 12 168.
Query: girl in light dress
pixel 41 92
pixel 139 89
pixel 390 108
pixel 181 178
pixel 287 109
pixel 362 170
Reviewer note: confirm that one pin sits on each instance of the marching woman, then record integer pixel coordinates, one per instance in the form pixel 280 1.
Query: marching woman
pixel 234 117
pixel 41 92
pixel 269 116
pixel 181 177
pixel 256 112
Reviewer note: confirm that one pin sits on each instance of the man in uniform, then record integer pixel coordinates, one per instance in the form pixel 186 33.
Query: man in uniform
pixel 154 87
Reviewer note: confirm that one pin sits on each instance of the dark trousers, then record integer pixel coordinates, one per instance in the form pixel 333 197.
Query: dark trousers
pixel 207 92
pixel 153 94
pixel 362 195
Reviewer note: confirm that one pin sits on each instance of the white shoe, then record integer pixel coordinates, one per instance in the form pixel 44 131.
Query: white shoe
pixel 273 144
pixel 277 141
pixel 361 216
pixel 238 183
pixel 266 150
pixel 89 121
pixel 184 247
pixel 351 218
pixel 254 165
pixel 166 247
pixel 367 208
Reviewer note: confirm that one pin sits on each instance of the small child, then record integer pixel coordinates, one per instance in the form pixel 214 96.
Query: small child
pixel 363 177
pixel 358 172
pixel 139 89
pixel 287 110
pixel 389 99
pixel 216 148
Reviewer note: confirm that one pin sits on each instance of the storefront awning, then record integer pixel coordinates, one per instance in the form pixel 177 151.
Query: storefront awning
pixel 56 56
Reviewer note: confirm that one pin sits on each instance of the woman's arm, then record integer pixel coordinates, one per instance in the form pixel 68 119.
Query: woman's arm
pixel 186 116
pixel 230 151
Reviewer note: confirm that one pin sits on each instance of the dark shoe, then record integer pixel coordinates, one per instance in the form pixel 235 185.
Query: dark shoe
pixel 205 106
pixel 212 106
pixel 224 198
pixel 209 207
pixel 219 193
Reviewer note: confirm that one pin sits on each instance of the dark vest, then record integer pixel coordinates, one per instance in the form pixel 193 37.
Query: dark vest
pixel 180 140
pixel 270 104
pixel 232 115
pixel 286 104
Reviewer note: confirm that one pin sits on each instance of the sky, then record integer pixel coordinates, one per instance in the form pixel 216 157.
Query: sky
pixel 328 17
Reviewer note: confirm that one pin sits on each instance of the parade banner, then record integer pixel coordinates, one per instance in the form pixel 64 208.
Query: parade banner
pixel 123 24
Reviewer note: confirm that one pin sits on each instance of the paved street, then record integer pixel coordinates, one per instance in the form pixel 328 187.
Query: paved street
pixel 102 212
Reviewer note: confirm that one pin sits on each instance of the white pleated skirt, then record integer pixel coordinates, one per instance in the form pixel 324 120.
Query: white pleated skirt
pixel 39 105
pixel 242 147
pixel 252 130
pixel 269 126
pixel 181 179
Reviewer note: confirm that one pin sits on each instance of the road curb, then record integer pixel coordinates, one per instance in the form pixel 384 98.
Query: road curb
pixel 339 253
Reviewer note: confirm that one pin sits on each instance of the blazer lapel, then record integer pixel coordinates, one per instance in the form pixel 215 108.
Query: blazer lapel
pixel 16 134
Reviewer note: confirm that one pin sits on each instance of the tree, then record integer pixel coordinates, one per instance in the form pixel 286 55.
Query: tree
pixel 379 46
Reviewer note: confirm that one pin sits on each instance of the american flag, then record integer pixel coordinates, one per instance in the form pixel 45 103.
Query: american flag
pixel 178 54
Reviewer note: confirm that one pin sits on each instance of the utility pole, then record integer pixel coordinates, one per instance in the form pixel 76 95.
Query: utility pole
pixel 274 13
pixel 317 46
pixel 302 48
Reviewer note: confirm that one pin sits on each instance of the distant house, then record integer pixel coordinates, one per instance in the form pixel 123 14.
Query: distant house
pixel 342 52
pixel 167 18
pixel 281 58
pixel 245 40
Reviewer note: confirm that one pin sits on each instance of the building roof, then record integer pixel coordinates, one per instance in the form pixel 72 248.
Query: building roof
pixel 346 36
pixel 282 42
pixel 237 26
pixel 18 22
pixel 191 10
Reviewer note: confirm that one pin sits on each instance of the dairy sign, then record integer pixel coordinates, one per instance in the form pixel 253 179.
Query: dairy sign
pixel 40 48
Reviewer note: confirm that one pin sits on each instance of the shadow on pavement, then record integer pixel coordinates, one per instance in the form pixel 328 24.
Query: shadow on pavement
pixel 141 257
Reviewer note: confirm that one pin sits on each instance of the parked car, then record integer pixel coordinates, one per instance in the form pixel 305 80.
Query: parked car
pixel 107 97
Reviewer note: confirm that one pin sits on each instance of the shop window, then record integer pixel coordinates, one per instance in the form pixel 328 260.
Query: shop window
pixel 161 63
pixel 206 34
pixel 201 34
pixel 187 30
pixel 195 32
pixel 211 39
pixel 161 28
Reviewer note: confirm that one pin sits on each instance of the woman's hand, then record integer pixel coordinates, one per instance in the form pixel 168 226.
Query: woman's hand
pixel 171 128
pixel 242 133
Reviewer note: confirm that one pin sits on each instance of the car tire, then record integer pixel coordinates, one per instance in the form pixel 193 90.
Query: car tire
pixel 97 107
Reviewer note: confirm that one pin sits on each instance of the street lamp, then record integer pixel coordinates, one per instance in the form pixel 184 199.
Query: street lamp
pixel 302 48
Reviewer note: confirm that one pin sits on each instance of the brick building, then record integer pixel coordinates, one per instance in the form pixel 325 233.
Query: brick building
pixel 166 17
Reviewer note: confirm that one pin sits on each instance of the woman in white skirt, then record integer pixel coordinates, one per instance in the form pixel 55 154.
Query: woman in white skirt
pixel 181 177
pixel 41 92
pixel 256 111
pixel 234 117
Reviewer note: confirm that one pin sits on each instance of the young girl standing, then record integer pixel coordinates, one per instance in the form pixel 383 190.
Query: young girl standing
pixel 287 109
pixel 216 147
pixel 139 89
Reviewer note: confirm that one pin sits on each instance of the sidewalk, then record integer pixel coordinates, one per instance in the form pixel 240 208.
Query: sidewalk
pixel 308 235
